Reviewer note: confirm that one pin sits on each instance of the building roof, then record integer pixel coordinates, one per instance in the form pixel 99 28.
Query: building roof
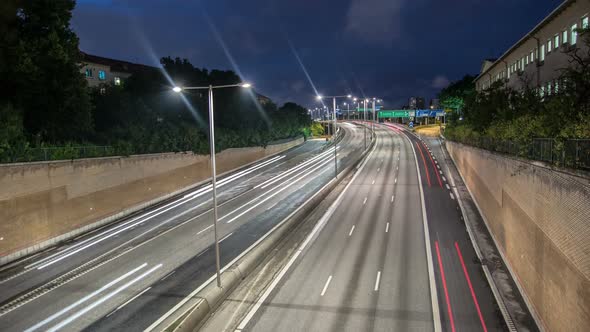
pixel 531 33
pixel 116 65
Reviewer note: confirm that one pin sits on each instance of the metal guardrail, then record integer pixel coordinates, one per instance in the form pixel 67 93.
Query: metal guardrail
pixel 571 153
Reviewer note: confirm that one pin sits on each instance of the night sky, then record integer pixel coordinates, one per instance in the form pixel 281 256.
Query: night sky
pixel 391 49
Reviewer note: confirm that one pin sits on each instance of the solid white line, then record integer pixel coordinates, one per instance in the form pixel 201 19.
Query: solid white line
pixel 377 281
pixel 365 201
pixel 84 299
pixel 433 291
pixel 351 230
pixel 225 237
pixel 387 228
pixel 133 298
pixel 319 226
pixel 169 274
pixel 204 229
pixel 446 184
pixel 102 300
pixel 452 197
pixel 326 286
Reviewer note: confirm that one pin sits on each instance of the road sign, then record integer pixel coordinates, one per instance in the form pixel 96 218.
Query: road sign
pixel 411 124
pixel 369 109
pixel 396 114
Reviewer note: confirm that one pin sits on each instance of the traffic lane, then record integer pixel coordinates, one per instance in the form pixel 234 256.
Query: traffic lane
pixel 349 299
pixel 138 290
pixel 299 302
pixel 467 300
pixel 23 281
pixel 183 242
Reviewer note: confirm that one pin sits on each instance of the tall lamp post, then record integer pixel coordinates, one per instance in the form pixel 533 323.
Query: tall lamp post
pixel 178 89
pixel 374 114
pixel 320 97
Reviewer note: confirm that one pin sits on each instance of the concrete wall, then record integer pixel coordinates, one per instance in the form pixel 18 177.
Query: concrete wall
pixel 540 219
pixel 45 202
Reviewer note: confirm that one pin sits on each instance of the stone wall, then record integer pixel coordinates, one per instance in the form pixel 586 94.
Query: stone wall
pixel 42 203
pixel 540 219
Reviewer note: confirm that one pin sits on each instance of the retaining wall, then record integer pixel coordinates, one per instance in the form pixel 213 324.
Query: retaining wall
pixel 43 203
pixel 540 219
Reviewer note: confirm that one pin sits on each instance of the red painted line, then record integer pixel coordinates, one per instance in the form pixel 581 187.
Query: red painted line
pixel 483 324
pixel 424 161
pixel 444 281
pixel 433 166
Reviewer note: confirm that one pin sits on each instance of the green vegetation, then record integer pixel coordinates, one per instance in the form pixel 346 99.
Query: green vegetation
pixel 501 114
pixel 48 111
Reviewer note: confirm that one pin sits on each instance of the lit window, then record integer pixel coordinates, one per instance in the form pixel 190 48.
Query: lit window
pixel 549 46
pixel 103 91
pixel 88 72
pixel 542 91
pixel 574 38
pixel 564 36
pixel 556 41
pixel 522 63
pixel 543 52
pixel 101 75
pixel 532 56
pixel 117 81
pixel 585 22
pixel 556 86
pixel 526 60
pixel 549 88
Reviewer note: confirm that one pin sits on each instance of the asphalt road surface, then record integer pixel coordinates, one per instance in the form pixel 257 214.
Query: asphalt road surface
pixel 125 276
pixel 385 260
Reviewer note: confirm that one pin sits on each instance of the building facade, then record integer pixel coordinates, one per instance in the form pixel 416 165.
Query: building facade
pixel 536 59
pixel 100 70
pixel 416 103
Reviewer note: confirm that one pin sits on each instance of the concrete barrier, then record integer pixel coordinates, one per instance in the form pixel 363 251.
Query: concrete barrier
pixel 210 297
pixel 44 203
pixel 540 221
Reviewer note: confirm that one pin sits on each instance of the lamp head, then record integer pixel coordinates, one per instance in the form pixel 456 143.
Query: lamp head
pixel 246 85
pixel 177 89
pixel 319 97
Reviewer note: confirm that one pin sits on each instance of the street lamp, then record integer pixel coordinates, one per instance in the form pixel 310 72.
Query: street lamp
pixel 178 89
pixel 320 97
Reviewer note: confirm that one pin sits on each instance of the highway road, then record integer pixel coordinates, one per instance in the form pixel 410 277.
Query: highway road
pixel 391 254
pixel 126 275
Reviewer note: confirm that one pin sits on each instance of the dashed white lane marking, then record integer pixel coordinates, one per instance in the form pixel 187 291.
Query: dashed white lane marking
pixel 365 201
pixel 225 237
pixel 452 196
pixel 387 228
pixel 397 168
pixel 437 165
pixel 203 230
pixel 446 184
pixel 373 182
pixel 377 280
pixel 351 230
pixel 326 286
pixel 378 169
pixel 444 179
pixel 395 180
pixel 392 198
pixel 133 298
pixel 440 172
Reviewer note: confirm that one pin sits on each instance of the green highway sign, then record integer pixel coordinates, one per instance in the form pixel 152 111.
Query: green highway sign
pixel 396 114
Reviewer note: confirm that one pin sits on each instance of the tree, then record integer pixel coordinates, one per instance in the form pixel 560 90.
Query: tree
pixel 454 96
pixel 44 72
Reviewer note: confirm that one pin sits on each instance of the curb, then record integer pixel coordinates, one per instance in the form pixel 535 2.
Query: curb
pixel 210 297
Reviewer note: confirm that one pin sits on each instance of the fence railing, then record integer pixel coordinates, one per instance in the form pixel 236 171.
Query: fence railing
pixel 571 153
pixel 56 153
